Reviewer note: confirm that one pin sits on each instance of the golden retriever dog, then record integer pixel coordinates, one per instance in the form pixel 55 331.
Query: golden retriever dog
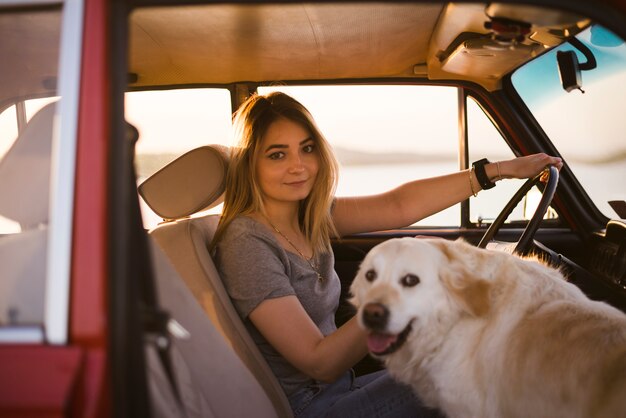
pixel 480 333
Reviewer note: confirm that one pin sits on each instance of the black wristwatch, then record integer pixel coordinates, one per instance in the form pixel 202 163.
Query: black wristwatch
pixel 481 174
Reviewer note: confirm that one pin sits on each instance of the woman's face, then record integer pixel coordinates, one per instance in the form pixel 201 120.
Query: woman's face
pixel 287 162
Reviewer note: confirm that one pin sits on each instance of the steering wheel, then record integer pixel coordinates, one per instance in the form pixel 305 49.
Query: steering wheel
pixel 523 244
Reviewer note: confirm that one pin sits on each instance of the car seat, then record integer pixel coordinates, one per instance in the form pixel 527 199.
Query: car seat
pixel 25 187
pixel 192 183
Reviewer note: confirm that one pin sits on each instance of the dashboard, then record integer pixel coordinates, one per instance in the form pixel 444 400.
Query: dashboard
pixel 608 257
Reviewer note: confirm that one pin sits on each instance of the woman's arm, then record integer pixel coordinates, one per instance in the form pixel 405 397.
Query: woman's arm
pixel 252 266
pixel 285 324
pixel 418 199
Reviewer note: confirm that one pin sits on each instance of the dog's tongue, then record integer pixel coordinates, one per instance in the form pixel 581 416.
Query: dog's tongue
pixel 377 343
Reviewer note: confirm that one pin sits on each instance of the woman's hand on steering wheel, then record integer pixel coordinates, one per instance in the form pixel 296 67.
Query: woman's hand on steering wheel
pixel 529 166
pixel 523 245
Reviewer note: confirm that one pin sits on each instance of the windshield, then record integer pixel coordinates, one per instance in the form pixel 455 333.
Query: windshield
pixel 588 129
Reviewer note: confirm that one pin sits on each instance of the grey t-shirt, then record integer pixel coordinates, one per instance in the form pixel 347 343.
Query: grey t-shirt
pixel 255 267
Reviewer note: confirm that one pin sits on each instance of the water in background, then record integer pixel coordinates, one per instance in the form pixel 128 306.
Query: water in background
pixel 368 179
pixel 359 180
pixel 372 179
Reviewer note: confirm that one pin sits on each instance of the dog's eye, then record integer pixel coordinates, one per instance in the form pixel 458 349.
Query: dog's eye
pixel 410 280
pixel 370 275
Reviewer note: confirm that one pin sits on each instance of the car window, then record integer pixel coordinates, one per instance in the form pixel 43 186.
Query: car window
pixel 587 128
pixel 8 129
pixel 8 135
pixel 387 135
pixel 172 122
pixel 9 120
pixel 485 140
pixel 384 136
pixel 26 143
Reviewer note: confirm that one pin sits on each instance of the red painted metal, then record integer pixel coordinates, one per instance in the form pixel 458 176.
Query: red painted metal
pixel 74 380
pixel 89 253
pixel 89 290
pixel 38 381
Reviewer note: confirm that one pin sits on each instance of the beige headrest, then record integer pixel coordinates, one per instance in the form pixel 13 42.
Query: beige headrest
pixel 191 183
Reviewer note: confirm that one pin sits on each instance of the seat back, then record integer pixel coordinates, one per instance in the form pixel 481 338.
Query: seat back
pixel 211 379
pixel 25 177
pixel 192 183
pixel 25 172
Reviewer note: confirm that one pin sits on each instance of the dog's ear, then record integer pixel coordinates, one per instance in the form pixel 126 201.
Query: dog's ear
pixel 459 278
pixel 471 294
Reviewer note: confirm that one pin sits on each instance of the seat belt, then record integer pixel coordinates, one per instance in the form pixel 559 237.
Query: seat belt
pixel 157 333
pixel 155 321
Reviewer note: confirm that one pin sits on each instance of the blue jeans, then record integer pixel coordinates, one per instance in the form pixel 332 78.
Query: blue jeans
pixel 371 395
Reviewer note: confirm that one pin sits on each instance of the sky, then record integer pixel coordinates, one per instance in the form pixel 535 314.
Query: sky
pixel 421 119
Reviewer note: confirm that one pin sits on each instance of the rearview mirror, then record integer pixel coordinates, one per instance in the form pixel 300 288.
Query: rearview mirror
pixel 569 70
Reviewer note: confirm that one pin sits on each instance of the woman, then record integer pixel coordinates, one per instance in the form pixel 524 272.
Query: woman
pixel 273 251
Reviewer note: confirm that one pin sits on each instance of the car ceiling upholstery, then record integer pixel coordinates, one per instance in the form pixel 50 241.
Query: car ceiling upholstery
pixel 279 42
pixel 223 44
pixel 36 53
pixel 238 43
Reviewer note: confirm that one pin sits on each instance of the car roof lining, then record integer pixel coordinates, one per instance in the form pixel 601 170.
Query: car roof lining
pixel 229 43
pixel 249 42
pixel 189 45
pixel 36 52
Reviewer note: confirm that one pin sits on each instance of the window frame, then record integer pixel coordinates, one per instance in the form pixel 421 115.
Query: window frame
pixel 63 172
pixel 486 100
pixel 465 90
pixel 55 326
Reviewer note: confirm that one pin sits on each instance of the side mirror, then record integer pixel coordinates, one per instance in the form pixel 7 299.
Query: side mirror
pixel 569 71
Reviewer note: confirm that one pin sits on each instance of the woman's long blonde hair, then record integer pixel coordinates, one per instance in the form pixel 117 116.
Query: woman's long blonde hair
pixel 243 195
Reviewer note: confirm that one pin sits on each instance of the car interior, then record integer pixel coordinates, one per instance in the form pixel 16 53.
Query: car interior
pixel 191 183
pixel 23 174
pixel 475 45
pixel 200 360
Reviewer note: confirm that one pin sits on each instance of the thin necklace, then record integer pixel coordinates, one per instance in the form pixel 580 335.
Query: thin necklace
pixel 319 275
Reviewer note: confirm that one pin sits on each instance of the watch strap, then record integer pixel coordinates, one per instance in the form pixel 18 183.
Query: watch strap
pixel 481 174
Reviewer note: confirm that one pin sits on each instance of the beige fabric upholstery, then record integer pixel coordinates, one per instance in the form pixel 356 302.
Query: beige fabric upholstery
pixel 192 183
pixel 185 244
pixel 304 42
pixel 22 282
pixel 25 172
pixel 211 378
pixel 24 185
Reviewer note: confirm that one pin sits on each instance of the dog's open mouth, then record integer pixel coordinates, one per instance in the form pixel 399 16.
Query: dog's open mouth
pixel 382 344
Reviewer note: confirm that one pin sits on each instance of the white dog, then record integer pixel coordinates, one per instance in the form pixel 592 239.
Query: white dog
pixel 486 334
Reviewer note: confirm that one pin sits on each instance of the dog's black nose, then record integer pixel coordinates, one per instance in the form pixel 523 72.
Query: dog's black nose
pixel 375 316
